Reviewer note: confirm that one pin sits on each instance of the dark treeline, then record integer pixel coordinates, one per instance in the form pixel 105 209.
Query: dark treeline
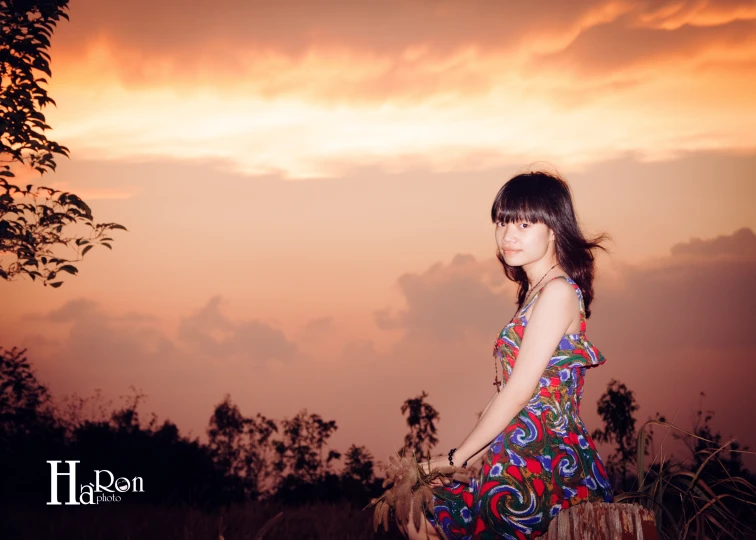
pixel 245 459
pixel 289 463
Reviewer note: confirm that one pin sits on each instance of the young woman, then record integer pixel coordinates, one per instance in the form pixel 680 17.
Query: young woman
pixel 538 457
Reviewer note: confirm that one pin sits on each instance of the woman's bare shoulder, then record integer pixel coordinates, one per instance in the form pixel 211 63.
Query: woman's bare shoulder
pixel 557 294
pixel 558 288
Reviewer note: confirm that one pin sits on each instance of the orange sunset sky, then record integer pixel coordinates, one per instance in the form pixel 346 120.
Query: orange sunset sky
pixel 307 188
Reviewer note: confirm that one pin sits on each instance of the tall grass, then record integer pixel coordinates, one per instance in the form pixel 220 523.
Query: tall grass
pixel 691 502
pixel 316 521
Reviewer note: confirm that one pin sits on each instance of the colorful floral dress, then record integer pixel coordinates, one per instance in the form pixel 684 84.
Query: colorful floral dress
pixel 543 461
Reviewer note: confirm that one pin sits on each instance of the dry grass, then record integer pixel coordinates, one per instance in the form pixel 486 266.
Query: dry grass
pixel 410 490
pixel 240 522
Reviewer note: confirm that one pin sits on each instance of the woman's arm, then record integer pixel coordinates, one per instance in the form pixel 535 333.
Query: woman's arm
pixel 475 458
pixel 550 318
pixel 487 407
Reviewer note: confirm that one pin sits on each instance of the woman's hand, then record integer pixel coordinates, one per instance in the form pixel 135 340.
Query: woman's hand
pixel 435 463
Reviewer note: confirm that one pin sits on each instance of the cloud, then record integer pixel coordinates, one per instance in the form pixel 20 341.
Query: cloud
pixel 292 26
pixel 133 342
pixel 213 334
pixel 447 302
pixel 393 43
pixel 671 14
pixel 604 50
pixel 81 346
pixel 318 325
pixel 71 311
pixel 740 245
pixel 317 330
pixel 701 291
pixel 392 26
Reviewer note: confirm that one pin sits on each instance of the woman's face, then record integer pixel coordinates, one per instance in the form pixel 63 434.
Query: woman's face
pixel 522 243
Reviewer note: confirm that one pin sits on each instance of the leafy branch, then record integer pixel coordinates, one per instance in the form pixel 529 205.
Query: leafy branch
pixel 32 220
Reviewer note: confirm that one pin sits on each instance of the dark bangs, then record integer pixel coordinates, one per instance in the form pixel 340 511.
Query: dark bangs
pixel 524 198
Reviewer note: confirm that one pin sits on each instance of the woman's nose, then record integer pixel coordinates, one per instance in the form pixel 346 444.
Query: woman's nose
pixel 507 235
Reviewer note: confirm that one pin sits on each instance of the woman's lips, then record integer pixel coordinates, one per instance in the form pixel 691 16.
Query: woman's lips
pixel 510 251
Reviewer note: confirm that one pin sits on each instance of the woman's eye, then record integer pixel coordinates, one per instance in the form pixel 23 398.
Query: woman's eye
pixel 523 225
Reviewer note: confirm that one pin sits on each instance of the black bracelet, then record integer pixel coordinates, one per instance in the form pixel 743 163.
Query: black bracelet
pixel 451 454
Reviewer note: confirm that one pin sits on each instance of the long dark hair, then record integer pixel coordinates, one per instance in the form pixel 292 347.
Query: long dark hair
pixel 541 197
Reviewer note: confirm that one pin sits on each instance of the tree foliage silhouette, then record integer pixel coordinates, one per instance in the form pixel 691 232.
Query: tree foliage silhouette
pixel 243 447
pixel 32 221
pixel 421 419
pixel 25 404
pixel 616 407
pixel 358 482
pixel 29 431
pixel 358 464
pixel 302 450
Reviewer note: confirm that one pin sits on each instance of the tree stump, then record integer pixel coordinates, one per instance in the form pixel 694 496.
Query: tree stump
pixel 603 521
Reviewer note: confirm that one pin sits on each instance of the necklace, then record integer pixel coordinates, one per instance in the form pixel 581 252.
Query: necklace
pixel 497 382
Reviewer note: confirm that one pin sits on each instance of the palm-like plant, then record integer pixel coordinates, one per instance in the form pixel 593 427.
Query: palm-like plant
pixel 705 501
